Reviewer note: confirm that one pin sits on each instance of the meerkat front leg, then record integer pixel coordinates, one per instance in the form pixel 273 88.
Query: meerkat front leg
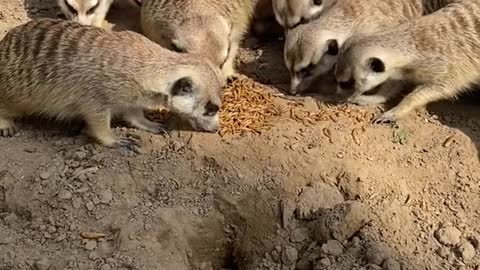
pixel 421 96
pixel 387 91
pixel 136 118
pixel 7 125
pixel 228 68
pixel 99 128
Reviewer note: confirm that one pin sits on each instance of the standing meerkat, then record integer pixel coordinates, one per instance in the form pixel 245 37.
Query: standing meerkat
pixel 311 49
pixel 290 13
pixel 86 12
pixel 211 28
pixel 438 53
pixel 64 70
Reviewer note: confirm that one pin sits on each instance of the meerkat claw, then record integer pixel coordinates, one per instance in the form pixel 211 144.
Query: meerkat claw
pixel 385 118
pixel 129 144
pixel 8 132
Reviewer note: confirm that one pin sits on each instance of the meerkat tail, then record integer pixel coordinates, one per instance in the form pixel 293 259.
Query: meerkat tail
pixel 420 97
pixel 136 118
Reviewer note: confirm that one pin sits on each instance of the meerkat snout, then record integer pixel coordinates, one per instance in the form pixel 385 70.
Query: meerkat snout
pixel 197 104
pixel 290 13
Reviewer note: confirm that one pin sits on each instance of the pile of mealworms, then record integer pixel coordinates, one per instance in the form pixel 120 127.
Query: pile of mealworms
pixel 246 107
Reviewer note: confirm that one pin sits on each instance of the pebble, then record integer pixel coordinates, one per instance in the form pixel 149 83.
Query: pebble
pixel 80 155
pixel 289 255
pixel 65 195
pixel 105 267
pixel 42 264
pixel 466 250
pixel 299 235
pixel 333 247
pixel 44 175
pixel 391 264
pixel 106 196
pixel 90 245
pixel 89 205
pixel 77 203
pixel 448 236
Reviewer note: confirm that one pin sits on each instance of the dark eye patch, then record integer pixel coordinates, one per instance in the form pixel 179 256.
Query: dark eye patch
pixel 92 9
pixel 307 71
pixel 70 8
pixel 332 47
pixel 211 109
pixel 318 2
pixel 347 84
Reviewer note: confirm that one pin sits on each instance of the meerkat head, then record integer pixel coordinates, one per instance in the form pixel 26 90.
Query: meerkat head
pixel 207 36
pixel 308 53
pixel 195 95
pixel 290 13
pixel 364 65
pixel 87 12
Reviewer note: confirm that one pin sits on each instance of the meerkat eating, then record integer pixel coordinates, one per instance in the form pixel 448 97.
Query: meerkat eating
pixel 311 49
pixel 290 13
pixel 211 28
pixel 86 12
pixel 64 70
pixel 439 53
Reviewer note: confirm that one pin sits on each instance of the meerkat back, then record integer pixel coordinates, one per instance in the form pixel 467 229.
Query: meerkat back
pixel 211 28
pixel 86 12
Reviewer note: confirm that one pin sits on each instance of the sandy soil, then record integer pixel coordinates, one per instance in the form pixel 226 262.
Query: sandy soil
pixel 295 197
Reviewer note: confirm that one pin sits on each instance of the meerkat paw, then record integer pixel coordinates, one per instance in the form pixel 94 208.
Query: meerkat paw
pixel 137 119
pixel 386 118
pixel 128 143
pixel 7 128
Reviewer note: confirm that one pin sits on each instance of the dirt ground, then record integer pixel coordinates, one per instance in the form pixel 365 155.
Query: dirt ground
pixel 337 194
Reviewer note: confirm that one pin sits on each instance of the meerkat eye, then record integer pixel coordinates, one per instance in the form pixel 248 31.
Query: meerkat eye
pixel 318 2
pixel 376 65
pixel 211 109
pixel 307 71
pixel 92 9
pixel 332 47
pixel 70 8
pixel 182 87
pixel 347 84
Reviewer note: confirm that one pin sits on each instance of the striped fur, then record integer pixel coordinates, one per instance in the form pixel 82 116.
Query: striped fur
pixel 211 28
pixel 439 53
pixel 64 70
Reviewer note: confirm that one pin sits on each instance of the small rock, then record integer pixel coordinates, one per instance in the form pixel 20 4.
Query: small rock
pixel 316 197
pixel 288 208
pixel 90 245
pixel 391 264
pixel 77 203
pixel 466 250
pixel 44 175
pixel 323 264
pixel 341 222
pixel 106 196
pixel 448 236
pixel 443 252
pixel 289 255
pixel 299 235
pixel 105 267
pixel 80 155
pixel 42 264
pixel 65 195
pixel 333 247
pixel 89 205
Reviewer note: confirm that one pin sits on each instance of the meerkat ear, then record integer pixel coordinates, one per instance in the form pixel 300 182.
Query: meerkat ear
pixel 376 65
pixel 182 87
pixel 332 47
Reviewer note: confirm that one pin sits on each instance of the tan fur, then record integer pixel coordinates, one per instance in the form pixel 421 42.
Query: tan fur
pixel 290 13
pixel 438 53
pixel 211 28
pixel 87 12
pixel 306 47
pixel 64 70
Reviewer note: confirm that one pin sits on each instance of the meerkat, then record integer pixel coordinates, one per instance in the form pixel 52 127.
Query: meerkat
pixel 290 13
pixel 439 53
pixel 311 49
pixel 87 12
pixel 64 70
pixel 211 28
